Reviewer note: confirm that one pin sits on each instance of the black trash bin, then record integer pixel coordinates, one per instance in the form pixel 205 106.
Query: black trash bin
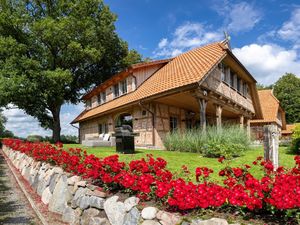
pixel 124 139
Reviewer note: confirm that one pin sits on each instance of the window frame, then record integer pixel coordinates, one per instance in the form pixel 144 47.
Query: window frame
pixel 123 87
pixel 172 119
pixel 116 87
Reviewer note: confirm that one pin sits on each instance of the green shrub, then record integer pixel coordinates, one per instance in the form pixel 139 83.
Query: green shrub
pixel 295 147
pixel 34 138
pixel 228 141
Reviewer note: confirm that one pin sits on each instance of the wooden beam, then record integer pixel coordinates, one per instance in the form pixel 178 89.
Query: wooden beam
pixel 248 127
pixel 219 116
pixel 242 121
pixel 202 106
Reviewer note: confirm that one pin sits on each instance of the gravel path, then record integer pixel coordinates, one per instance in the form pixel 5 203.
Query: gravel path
pixel 14 207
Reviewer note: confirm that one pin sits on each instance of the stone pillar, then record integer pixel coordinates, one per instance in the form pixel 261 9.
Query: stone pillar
pixel 271 144
pixel 202 104
pixel 219 116
pixel 241 121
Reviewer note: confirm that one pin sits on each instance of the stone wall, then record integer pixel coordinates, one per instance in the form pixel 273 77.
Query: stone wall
pixel 81 203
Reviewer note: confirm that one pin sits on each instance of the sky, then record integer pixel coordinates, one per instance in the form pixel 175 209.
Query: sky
pixel 264 35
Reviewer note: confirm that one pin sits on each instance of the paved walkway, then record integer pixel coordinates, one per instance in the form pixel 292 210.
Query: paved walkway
pixel 14 207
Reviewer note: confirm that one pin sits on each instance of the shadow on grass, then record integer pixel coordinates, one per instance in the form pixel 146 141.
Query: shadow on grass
pixel 9 208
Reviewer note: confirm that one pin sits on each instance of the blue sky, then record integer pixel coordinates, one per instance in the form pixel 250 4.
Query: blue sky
pixel 265 36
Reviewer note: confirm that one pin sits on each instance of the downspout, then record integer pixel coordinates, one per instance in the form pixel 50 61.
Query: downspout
pixel 153 121
pixel 78 132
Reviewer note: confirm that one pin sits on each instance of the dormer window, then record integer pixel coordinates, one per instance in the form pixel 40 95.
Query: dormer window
pixel 88 104
pixel 123 87
pixel 116 90
pixel 101 98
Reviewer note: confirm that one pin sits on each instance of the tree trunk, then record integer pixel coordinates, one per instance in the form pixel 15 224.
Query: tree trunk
pixel 56 124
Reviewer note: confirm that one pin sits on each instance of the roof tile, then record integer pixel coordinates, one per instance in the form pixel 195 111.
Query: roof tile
pixel 185 69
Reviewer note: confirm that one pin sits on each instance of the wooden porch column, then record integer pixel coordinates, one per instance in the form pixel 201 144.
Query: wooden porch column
pixel 241 121
pixel 202 104
pixel 219 116
pixel 248 127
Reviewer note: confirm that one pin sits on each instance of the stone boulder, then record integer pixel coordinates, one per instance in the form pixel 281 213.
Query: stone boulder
pixel 46 196
pixel 115 210
pixel 60 197
pixel 212 221
pixel 131 202
pixel 96 202
pixel 167 218
pixel 87 215
pixel 132 217
pixel 99 221
pixel 149 213
pixel 71 216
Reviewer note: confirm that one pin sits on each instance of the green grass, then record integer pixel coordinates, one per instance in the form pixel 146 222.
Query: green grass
pixel 192 160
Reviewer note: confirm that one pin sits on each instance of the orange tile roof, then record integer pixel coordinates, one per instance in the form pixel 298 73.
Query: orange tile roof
pixel 269 105
pixel 289 129
pixel 121 75
pixel 184 70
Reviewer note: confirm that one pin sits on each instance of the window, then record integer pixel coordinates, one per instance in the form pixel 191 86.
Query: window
pixel 245 89
pixel 99 99
pixel 232 79
pixel 173 123
pixel 189 124
pixel 222 68
pixel 238 84
pixel 88 104
pixel 100 129
pixel 123 87
pixel 103 97
pixel 106 128
pixel 116 90
pixel 227 75
pixel 134 83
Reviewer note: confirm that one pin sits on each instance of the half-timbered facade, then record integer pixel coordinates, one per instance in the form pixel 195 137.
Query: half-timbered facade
pixel 204 86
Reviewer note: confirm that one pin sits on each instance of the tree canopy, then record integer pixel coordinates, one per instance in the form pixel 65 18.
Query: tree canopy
pixel 3 131
pixel 287 91
pixel 53 51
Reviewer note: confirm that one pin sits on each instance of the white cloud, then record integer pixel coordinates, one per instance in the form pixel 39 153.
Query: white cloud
pixel 243 17
pixel 23 125
pixel 186 37
pixel 163 42
pixel 268 62
pixel 238 17
pixel 290 30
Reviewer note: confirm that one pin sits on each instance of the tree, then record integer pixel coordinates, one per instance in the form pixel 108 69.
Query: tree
pixel 3 131
pixel 263 87
pixel 287 91
pixel 51 52
pixel 2 123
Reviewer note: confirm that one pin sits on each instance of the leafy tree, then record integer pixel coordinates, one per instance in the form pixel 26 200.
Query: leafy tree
pixel 52 51
pixel 263 87
pixel 2 123
pixel 3 131
pixel 287 91
pixel 295 147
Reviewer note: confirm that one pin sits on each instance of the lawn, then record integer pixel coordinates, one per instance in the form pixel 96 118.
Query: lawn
pixel 192 160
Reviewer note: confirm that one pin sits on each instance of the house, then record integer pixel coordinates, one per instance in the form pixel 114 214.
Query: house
pixel 205 86
pixel 288 131
pixel 273 114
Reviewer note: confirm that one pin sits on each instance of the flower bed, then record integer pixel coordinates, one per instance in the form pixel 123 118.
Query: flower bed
pixel 149 179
